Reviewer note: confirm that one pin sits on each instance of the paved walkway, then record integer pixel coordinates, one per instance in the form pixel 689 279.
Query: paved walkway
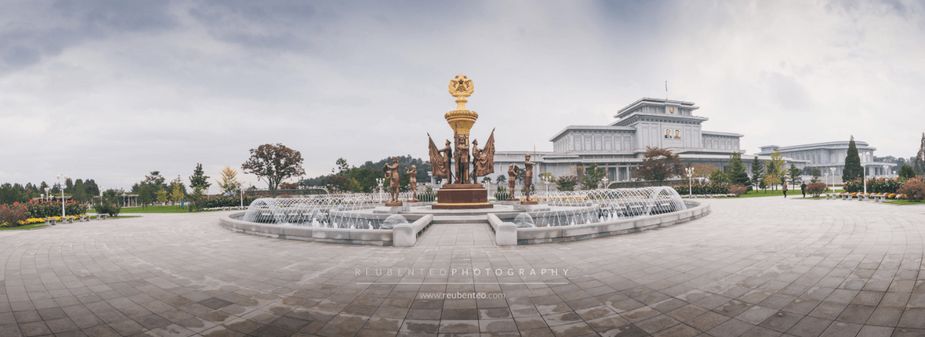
pixel 458 235
pixel 755 267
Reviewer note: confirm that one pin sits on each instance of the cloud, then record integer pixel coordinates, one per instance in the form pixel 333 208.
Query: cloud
pixel 34 30
pixel 114 89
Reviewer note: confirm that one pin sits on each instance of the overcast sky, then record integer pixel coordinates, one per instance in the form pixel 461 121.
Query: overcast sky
pixel 114 89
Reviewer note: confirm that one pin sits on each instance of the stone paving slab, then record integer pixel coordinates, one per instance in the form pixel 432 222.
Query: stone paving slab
pixel 754 267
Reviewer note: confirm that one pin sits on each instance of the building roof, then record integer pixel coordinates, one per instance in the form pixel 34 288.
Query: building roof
pixel 720 133
pixel 591 127
pixel 823 145
pixel 654 101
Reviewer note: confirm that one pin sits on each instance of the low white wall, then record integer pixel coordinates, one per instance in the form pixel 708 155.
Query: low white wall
pixel 375 237
pixel 406 235
pixel 527 236
pixel 505 232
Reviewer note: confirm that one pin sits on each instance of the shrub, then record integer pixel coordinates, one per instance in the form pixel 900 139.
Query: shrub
pixel 502 194
pixel 11 215
pixel 44 209
pixel 108 203
pixel 566 183
pixel 815 189
pixel 702 189
pixel 913 189
pixel 737 189
pixel 223 201
pixel 874 185
pixel 427 196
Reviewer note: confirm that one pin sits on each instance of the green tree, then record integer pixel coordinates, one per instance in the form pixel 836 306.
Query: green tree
pixel 199 180
pixel 658 165
pixel 229 181
pixel 109 203
pixel 274 163
pixel 177 191
pixel 794 173
pixel 162 196
pixel 853 169
pixel 147 188
pixel 816 173
pixel 719 177
pixel 736 170
pixel 592 177
pixel 906 172
pixel 757 172
pixel 566 183
pixel 775 171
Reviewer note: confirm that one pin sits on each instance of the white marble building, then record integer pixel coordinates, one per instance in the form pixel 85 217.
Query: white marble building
pixel 828 155
pixel 619 146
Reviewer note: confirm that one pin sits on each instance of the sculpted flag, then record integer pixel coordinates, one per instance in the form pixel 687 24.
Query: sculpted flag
pixel 486 160
pixel 437 161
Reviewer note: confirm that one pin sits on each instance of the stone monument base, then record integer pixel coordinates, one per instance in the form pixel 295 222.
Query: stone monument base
pixel 393 203
pixel 530 202
pixel 462 196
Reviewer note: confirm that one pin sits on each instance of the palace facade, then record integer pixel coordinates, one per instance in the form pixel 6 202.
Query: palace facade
pixel 619 146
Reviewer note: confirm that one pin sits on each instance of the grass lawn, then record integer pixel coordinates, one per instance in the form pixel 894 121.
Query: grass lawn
pixel 154 209
pixel 25 227
pixel 770 193
pixel 905 202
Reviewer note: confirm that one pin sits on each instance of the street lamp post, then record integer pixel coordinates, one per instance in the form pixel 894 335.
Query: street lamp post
pixel 63 211
pixel 690 181
pixel 832 169
pixel 864 178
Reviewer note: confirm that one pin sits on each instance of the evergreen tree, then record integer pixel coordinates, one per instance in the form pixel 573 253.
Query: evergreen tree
pixel 918 162
pixel 853 169
pixel 794 173
pixel 736 171
pixel 906 172
pixel 757 172
pixel 199 180
pixel 592 177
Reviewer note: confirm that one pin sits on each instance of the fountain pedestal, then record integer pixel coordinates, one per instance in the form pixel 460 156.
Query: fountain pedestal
pixel 462 196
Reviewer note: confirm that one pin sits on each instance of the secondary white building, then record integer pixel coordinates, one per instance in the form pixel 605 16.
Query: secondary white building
pixel 831 155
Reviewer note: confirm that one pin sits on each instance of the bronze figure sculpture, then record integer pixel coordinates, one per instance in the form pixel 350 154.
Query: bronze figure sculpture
pixel 511 180
pixel 394 180
pixel 483 160
pixel 441 160
pixel 412 173
pixel 462 159
pixel 528 180
pixel 462 190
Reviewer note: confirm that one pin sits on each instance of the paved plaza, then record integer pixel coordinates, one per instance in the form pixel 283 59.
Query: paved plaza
pixel 754 267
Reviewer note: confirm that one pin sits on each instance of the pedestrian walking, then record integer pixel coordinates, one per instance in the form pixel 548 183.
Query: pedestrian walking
pixel 785 188
pixel 803 189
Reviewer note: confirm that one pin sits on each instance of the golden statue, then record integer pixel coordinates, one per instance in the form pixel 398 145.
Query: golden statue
pixel 394 180
pixel 412 173
pixel 512 180
pixel 441 159
pixel 528 180
pixel 483 160
pixel 462 191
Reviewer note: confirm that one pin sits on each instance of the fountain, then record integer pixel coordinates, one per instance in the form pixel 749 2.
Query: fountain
pixel 368 219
